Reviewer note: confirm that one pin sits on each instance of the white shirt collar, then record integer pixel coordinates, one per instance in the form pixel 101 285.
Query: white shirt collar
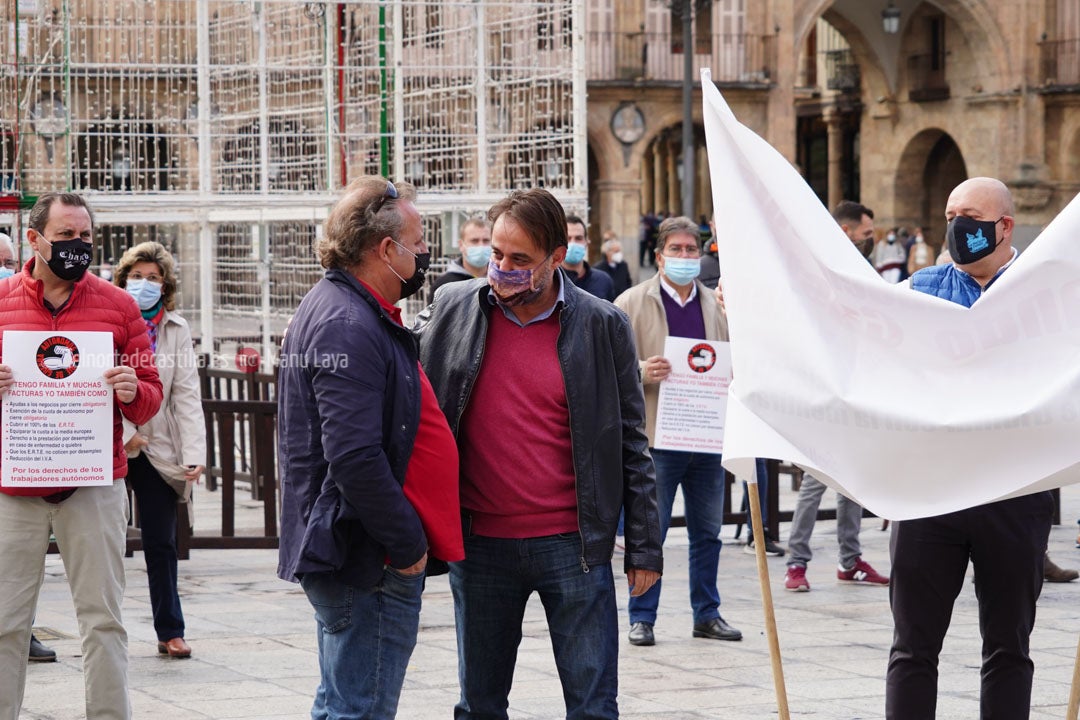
pixel 674 294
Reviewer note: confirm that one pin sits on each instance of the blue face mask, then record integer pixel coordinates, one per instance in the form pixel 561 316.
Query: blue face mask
pixel 575 253
pixel 6 272
pixel 146 293
pixel 477 255
pixel 681 271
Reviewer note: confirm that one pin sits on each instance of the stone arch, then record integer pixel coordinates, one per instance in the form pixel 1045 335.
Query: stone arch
pixel 930 166
pixel 665 183
pixel 983 35
pixel 600 142
pixel 874 81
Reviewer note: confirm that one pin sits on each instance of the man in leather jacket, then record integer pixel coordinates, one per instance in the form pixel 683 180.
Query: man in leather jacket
pixel 539 382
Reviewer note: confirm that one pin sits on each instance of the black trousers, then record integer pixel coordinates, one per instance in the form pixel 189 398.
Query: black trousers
pixel 156 501
pixel 1006 543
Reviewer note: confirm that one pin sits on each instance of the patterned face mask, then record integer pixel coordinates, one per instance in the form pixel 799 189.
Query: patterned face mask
pixel 515 287
pixel 971 240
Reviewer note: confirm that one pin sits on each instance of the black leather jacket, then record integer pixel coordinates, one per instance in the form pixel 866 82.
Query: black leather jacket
pixel 613 468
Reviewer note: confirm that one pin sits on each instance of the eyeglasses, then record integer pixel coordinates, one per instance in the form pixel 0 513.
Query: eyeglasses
pixel 681 250
pixel 391 193
pixel 152 277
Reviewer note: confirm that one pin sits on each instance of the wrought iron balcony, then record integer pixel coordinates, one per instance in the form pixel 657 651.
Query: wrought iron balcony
pixel 735 59
pixel 1060 63
pixel 926 78
pixel 841 71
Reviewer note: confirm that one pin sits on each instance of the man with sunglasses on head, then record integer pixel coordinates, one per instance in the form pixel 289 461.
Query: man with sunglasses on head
pixel 1004 540
pixel 369 469
pixel 54 292
pixel 539 381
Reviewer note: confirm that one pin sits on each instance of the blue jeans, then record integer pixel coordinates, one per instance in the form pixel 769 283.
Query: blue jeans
pixel 366 636
pixel 702 480
pixel 491 588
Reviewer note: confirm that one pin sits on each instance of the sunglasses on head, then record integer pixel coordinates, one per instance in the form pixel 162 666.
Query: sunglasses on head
pixel 391 193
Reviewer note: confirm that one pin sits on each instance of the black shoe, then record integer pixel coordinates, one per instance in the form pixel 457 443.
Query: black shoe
pixel 40 653
pixel 641 634
pixel 772 549
pixel 716 629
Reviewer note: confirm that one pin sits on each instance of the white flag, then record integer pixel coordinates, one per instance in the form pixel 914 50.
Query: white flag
pixel 911 405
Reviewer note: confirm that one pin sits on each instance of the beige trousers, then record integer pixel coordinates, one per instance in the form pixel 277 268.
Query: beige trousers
pixel 90 529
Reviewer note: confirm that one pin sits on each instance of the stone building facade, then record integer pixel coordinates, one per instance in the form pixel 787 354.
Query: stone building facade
pixel 894 119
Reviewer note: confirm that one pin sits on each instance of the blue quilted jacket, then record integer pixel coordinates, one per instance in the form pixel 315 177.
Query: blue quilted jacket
pixel 950 283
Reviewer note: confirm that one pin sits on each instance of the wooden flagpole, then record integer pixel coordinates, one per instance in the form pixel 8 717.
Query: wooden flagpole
pixel 767 605
pixel 1074 692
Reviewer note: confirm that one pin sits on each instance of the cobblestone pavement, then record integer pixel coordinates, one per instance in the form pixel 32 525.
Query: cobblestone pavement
pixel 254 643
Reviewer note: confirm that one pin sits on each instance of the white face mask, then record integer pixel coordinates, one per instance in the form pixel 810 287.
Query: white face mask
pixel 617 258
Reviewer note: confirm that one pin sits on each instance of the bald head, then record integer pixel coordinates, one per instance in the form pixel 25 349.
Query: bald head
pixel 987 200
pixel 983 193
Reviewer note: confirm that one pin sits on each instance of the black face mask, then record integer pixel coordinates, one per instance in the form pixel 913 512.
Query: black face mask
pixel 971 240
pixel 70 259
pixel 416 281
pixel 410 285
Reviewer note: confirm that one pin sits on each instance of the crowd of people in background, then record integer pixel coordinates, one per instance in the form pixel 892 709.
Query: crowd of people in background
pixel 390 472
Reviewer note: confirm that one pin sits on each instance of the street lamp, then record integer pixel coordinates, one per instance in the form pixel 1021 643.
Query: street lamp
pixel 686 11
pixel 890 19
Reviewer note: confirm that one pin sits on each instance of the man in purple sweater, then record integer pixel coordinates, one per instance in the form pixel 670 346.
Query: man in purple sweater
pixel 675 303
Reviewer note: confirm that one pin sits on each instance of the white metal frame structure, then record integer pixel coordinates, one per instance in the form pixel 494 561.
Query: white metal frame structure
pixel 226 128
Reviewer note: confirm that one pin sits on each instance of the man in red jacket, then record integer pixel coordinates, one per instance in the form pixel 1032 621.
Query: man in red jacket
pixel 54 292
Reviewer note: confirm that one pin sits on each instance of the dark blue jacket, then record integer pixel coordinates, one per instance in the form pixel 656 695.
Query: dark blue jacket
pixel 597 284
pixel 348 411
pixel 620 275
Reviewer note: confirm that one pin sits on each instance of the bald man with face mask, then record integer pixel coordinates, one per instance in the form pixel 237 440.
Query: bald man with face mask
pixel 1004 540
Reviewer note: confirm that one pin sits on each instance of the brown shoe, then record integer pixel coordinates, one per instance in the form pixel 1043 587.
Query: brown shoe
pixel 176 648
pixel 1053 573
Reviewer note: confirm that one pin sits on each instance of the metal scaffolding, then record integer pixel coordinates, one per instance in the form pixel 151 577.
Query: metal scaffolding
pixel 226 128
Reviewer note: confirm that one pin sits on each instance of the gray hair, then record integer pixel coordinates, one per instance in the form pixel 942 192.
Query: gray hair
pixel 351 229
pixel 675 225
